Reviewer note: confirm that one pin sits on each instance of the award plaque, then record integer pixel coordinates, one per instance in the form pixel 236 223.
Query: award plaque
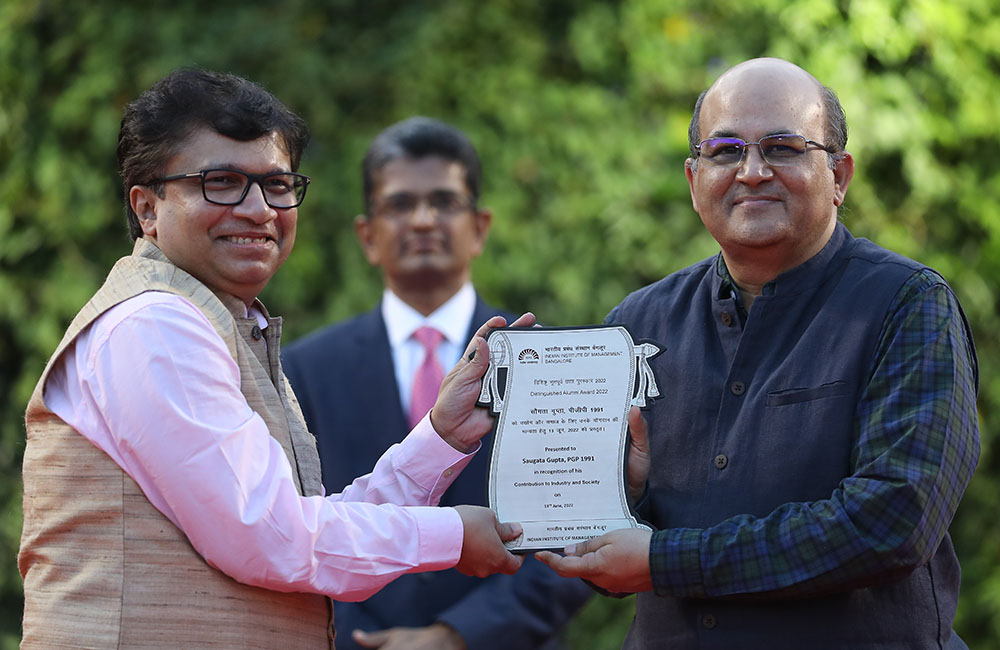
pixel 562 396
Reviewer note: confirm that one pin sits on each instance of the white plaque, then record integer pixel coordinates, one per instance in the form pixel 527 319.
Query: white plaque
pixel 562 397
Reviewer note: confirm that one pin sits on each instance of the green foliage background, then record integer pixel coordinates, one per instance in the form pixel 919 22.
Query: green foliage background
pixel 579 109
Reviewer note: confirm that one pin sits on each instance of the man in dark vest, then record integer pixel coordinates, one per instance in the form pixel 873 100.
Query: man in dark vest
pixel 820 424
pixel 359 384
pixel 172 494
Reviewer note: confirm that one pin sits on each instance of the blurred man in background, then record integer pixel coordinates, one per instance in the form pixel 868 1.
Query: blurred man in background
pixel 362 382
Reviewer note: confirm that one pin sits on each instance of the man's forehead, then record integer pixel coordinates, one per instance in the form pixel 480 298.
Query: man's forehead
pixel 771 95
pixel 426 173
pixel 207 147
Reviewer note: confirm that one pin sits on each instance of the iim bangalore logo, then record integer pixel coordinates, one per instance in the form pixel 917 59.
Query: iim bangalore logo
pixel 528 356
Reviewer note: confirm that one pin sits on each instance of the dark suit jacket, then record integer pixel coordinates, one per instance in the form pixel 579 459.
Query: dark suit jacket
pixel 344 379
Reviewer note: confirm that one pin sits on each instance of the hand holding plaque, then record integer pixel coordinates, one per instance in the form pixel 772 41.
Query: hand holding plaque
pixel 562 397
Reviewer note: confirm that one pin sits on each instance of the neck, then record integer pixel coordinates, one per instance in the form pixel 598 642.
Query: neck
pixel 425 299
pixel 752 268
pixel 750 276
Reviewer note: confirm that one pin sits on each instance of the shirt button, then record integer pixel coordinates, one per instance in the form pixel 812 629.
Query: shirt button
pixel 726 318
pixel 721 461
pixel 708 621
pixel 256 333
pixel 449 472
pixel 738 388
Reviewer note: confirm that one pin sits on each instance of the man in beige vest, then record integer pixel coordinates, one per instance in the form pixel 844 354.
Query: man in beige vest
pixel 172 494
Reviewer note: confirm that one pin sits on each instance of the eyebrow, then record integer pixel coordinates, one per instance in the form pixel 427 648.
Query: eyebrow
pixel 733 134
pixel 273 170
pixel 433 190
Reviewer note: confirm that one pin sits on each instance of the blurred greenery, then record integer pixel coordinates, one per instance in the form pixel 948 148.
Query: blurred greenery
pixel 579 109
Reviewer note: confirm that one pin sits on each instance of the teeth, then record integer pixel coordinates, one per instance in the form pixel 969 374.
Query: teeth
pixel 247 240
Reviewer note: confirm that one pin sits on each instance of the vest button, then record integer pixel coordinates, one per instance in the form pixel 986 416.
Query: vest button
pixel 727 319
pixel 721 461
pixel 708 621
pixel 738 388
pixel 256 333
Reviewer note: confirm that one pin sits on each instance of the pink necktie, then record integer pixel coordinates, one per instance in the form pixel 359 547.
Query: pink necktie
pixel 427 379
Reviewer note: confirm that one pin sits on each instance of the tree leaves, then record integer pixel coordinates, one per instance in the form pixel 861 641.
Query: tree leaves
pixel 580 111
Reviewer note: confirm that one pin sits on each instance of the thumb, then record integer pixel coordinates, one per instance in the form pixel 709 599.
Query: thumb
pixel 584 547
pixel 508 532
pixel 638 431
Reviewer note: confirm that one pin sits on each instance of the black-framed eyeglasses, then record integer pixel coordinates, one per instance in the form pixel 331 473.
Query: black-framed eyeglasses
pixel 443 203
pixel 222 186
pixel 777 150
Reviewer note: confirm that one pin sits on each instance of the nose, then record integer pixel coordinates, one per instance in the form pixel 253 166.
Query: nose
pixel 254 207
pixel 753 168
pixel 424 216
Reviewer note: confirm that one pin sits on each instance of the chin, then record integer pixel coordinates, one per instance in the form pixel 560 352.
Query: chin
pixel 759 233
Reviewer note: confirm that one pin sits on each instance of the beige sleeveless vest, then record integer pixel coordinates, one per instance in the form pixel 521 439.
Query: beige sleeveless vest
pixel 102 567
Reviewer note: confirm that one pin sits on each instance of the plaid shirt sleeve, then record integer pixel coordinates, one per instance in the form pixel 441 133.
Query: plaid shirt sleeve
pixel 916 448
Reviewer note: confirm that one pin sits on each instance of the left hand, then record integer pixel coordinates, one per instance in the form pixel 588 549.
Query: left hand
pixel 455 416
pixel 617 561
pixel 437 636
pixel 638 454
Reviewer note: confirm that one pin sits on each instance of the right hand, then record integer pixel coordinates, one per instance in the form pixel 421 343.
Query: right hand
pixel 483 552
pixel 617 561
pixel 455 415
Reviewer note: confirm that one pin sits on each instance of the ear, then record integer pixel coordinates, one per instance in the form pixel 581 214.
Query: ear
pixel 143 200
pixel 843 172
pixel 364 230
pixel 690 170
pixel 481 222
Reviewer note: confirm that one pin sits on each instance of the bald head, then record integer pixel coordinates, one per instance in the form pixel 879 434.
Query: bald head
pixel 782 76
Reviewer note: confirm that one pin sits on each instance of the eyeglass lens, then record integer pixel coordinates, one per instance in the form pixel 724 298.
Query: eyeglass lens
pixel 776 149
pixel 229 187
pixel 441 202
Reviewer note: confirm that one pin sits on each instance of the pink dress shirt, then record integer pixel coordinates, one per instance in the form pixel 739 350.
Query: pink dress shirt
pixel 152 384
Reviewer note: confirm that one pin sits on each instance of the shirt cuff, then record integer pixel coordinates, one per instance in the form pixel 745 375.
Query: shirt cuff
pixel 430 461
pixel 675 562
pixel 440 534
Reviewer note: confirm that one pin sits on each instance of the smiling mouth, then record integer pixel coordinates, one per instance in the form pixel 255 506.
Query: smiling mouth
pixel 240 239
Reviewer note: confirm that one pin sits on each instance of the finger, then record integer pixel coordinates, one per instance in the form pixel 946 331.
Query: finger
pixel 370 639
pixel 565 566
pixel 527 319
pixel 477 350
pixel 491 323
pixel 509 532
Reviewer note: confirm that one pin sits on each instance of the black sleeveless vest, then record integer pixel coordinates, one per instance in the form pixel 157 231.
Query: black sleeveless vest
pixel 756 416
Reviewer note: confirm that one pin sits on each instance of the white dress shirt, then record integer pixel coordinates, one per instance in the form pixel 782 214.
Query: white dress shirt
pixel 152 384
pixel 452 319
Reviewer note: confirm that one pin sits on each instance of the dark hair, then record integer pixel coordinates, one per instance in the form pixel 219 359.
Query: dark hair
pixel 419 137
pixel 155 126
pixel 836 121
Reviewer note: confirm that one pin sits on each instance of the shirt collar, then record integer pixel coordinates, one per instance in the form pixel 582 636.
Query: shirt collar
pixel 257 312
pixel 451 319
